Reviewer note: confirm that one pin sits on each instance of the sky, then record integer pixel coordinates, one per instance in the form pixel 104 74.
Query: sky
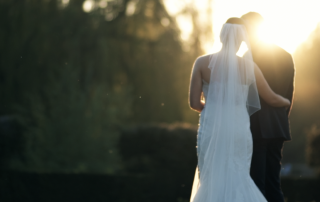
pixel 287 22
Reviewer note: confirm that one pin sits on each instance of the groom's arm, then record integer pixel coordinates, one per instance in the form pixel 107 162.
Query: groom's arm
pixel 290 92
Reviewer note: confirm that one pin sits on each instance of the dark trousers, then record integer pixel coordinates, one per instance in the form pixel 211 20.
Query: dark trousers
pixel 266 167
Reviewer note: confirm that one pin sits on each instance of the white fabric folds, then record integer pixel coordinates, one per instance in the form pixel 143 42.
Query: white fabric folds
pixel 224 137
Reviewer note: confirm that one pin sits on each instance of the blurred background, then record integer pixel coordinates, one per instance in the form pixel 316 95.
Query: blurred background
pixel 93 96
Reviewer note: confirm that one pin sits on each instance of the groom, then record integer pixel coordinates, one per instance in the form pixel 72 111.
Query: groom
pixel 270 125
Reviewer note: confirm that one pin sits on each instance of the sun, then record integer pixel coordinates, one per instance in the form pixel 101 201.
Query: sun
pixel 287 23
pixel 265 33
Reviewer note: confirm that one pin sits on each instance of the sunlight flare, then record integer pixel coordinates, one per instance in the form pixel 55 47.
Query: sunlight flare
pixel 287 24
pixel 242 50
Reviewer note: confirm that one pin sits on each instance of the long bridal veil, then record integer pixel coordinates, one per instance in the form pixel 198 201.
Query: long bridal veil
pixel 232 97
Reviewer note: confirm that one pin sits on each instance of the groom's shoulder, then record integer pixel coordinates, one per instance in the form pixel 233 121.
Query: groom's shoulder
pixel 281 51
pixel 283 56
pixel 276 50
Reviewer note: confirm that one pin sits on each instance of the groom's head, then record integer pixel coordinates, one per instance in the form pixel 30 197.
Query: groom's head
pixel 253 21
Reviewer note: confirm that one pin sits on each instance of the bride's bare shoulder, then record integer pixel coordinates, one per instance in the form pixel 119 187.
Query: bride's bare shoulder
pixel 203 61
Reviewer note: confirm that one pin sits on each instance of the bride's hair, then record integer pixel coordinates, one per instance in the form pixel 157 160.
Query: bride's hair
pixel 234 20
pixel 239 36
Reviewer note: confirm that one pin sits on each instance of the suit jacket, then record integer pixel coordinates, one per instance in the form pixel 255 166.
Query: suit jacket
pixel 278 69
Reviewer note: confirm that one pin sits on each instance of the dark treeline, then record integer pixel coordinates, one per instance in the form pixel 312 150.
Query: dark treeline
pixel 305 115
pixel 72 79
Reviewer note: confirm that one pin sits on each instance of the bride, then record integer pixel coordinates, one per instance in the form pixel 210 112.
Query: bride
pixel 231 86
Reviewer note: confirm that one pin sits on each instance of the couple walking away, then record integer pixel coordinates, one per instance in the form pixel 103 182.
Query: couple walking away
pixel 244 120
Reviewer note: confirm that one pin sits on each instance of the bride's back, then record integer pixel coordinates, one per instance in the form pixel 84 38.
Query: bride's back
pixel 203 65
pixel 203 62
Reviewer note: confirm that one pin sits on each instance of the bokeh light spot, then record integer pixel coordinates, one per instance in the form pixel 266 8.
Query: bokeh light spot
pixel 165 22
pixel 103 4
pixel 131 8
pixel 87 6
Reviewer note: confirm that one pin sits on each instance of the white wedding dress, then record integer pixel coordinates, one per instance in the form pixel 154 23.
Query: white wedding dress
pixel 224 144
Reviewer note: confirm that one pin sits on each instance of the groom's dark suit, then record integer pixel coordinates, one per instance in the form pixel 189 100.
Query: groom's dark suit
pixel 270 125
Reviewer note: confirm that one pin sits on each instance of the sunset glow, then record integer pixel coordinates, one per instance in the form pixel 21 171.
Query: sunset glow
pixel 287 22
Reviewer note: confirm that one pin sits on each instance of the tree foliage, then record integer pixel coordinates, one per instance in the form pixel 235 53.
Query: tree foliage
pixel 72 79
pixel 313 146
pixel 305 112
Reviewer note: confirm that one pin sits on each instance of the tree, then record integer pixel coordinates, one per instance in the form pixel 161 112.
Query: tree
pixel 313 147
pixel 305 111
pixel 73 79
pixel 62 79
